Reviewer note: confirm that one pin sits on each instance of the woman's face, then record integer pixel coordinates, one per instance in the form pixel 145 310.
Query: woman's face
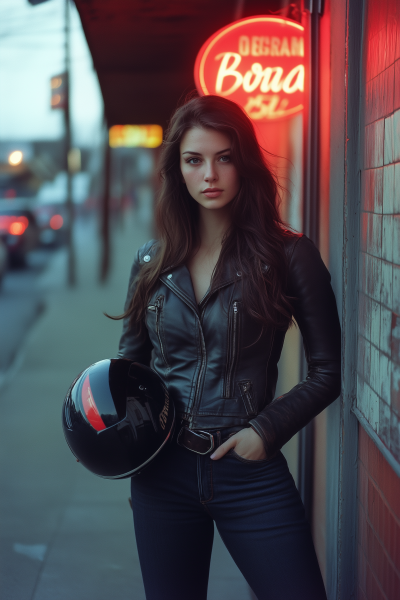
pixel 210 176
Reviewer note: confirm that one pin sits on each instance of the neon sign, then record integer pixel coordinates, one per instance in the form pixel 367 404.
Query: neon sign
pixel 257 62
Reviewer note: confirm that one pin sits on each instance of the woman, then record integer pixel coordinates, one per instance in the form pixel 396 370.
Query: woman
pixel 208 307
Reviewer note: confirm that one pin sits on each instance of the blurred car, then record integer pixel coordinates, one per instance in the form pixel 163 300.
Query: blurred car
pixel 50 211
pixel 3 260
pixel 50 206
pixel 51 219
pixel 18 229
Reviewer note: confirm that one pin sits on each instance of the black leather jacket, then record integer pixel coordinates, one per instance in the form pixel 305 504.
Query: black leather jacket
pixel 219 370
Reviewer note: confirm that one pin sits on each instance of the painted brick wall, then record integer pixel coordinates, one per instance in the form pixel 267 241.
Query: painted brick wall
pixel 378 390
pixel 378 525
pixel 378 395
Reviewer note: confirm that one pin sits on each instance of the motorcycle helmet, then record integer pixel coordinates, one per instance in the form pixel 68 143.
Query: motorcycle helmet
pixel 117 417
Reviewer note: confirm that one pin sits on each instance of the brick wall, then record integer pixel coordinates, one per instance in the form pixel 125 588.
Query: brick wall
pixel 379 524
pixel 378 388
pixel 378 396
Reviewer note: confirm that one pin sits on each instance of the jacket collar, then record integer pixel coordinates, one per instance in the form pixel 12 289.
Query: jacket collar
pixel 178 279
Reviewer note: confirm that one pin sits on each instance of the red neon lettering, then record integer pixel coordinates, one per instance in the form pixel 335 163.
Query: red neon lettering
pixel 256 62
pixel 270 79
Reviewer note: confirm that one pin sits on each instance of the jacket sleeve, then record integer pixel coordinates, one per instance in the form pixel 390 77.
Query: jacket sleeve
pixel 315 311
pixel 134 345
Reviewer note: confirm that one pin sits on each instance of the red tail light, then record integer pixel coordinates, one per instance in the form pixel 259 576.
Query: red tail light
pixel 13 224
pixel 56 222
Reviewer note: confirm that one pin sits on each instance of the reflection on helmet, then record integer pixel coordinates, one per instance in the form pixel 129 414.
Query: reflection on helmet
pixel 89 406
pixel 117 417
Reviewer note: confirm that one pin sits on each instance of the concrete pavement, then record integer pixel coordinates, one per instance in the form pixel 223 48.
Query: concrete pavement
pixel 64 532
pixel 20 304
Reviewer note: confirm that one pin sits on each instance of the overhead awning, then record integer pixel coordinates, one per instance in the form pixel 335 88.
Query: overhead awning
pixel 144 50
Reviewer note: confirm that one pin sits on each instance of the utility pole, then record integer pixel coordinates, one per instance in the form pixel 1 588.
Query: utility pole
pixel 69 202
pixel 105 213
pixel 311 211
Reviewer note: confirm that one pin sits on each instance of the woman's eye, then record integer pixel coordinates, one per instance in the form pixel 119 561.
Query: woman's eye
pixel 225 158
pixel 193 161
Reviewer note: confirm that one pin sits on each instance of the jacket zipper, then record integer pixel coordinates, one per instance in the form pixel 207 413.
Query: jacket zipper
pixel 203 354
pixel 201 370
pixel 157 307
pixel 247 397
pixel 232 350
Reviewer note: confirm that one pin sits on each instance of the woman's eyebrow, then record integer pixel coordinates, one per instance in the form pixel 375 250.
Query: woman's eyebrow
pixel 222 151
pixel 199 153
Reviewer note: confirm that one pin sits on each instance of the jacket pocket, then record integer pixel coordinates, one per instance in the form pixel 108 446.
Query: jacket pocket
pixel 246 390
pixel 157 307
pixel 232 349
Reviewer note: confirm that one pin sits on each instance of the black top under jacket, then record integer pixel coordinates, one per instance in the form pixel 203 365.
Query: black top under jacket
pixel 218 363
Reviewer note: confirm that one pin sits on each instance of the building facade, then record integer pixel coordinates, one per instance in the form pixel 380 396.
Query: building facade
pixel 356 517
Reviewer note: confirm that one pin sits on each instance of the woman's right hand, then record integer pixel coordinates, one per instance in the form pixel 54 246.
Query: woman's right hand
pixel 246 442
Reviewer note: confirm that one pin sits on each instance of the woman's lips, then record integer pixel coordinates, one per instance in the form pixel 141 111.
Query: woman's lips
pixel 212 193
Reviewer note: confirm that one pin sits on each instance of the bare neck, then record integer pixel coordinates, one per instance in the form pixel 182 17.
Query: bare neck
pixel 213 224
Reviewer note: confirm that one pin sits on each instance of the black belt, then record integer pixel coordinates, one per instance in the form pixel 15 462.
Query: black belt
pixel 201 442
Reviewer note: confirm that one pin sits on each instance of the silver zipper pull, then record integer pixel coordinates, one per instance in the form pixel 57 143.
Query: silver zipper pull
pixel 235 308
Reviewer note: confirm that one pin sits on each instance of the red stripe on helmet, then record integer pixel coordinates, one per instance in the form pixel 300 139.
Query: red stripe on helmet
pixel 90 407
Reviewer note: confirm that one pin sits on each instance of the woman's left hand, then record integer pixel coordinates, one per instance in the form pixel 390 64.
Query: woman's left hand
pixel 247 443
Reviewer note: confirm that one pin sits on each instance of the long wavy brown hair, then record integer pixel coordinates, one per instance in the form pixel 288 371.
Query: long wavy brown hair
pixel 255 241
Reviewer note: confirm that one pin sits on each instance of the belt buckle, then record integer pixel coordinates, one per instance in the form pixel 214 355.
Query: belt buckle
pixel 203 435
pixel 210 438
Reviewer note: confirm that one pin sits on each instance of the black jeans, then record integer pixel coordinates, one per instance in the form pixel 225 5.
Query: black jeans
pixel 258 513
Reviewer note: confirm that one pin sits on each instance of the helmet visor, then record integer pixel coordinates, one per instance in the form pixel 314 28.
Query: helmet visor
pixel 93 396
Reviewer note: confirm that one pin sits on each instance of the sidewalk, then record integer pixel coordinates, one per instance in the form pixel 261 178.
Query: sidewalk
pixel 64 532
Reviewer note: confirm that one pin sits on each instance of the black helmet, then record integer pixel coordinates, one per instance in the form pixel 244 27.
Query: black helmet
pixel 116 417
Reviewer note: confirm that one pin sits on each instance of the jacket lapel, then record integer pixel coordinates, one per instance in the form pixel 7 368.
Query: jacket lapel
pixel 229 275
pixel 179 281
